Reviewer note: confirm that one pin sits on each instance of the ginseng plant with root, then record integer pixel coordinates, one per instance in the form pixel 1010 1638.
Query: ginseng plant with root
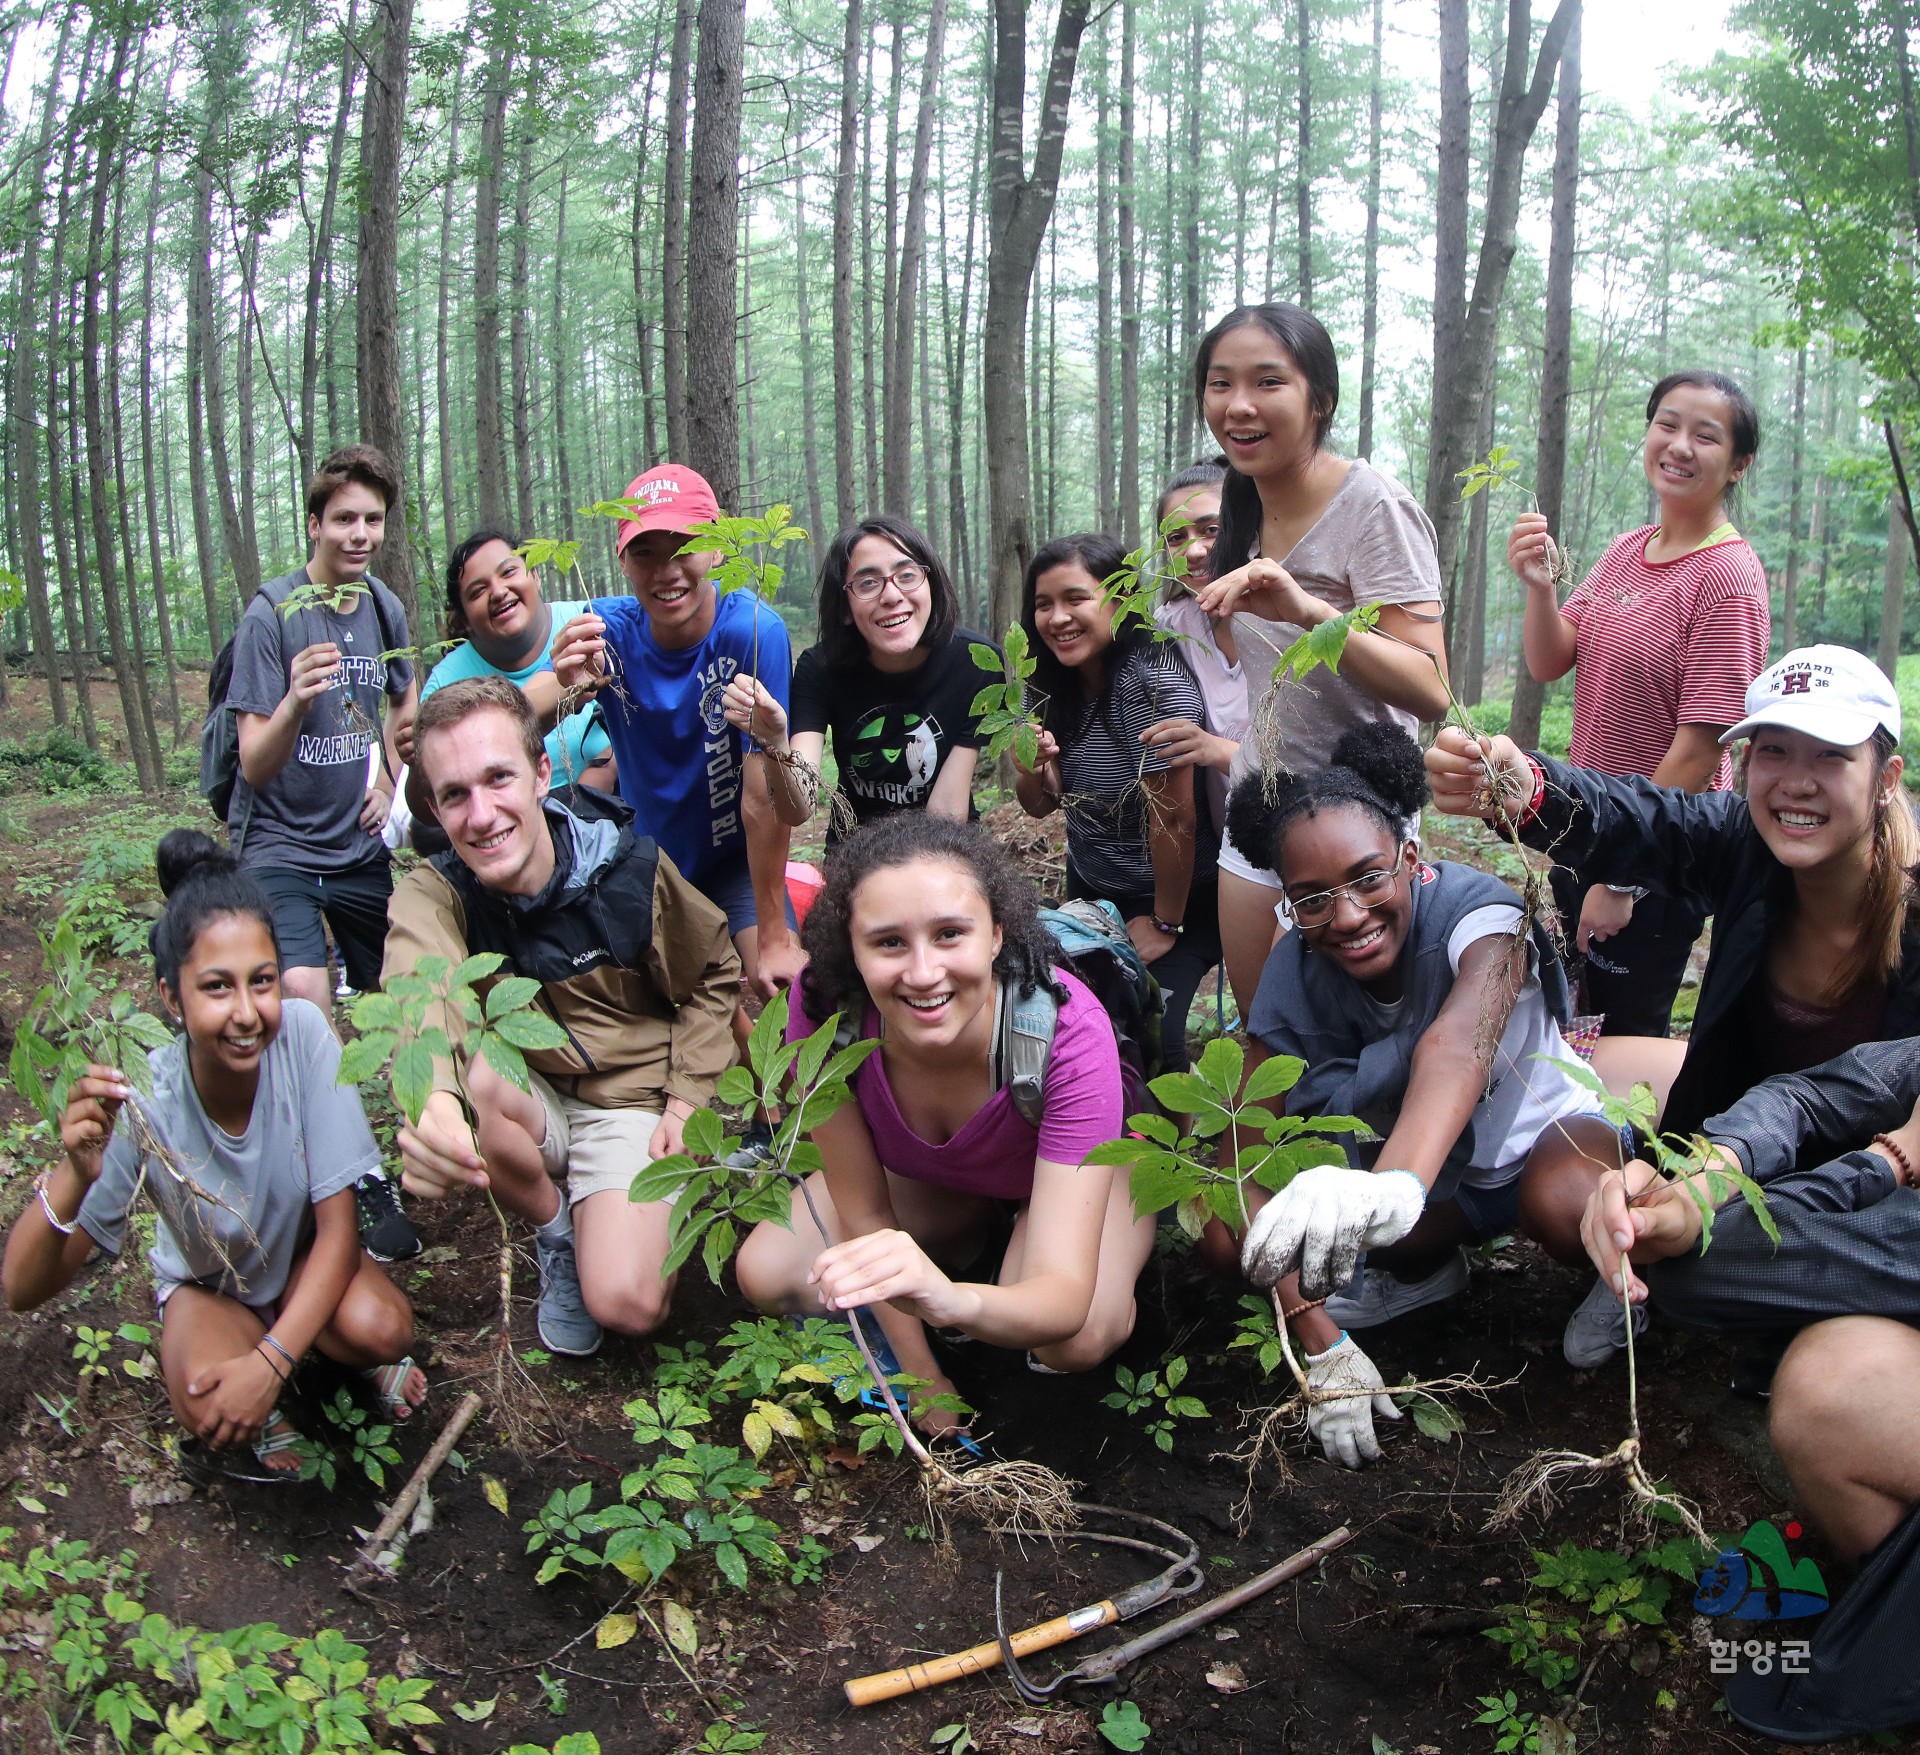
pixel 1710 1180
pixel 439 1012
pixel 714 1195
pixel 1239 1139
pixel 75 1021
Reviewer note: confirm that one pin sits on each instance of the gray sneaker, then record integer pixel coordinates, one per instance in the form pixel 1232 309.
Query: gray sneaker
pixel 1597 1329
pixel 1374 1296
pixel 565 1326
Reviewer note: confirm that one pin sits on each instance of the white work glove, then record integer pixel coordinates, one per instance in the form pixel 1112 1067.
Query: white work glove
pixel 1321 1221
pixel 1345 1427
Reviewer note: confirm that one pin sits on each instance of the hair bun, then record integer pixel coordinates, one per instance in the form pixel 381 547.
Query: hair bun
pixel 185 853
pixel 1390 763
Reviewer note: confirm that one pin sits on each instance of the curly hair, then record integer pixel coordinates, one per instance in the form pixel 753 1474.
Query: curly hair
pixel 1376 768
pixel 831 981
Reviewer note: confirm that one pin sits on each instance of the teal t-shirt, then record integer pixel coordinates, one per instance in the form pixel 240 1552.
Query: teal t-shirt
pixel 573 745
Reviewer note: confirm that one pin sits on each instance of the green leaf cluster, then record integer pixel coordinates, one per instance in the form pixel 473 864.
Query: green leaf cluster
pixel 1323 647
pixel 152 1684
pixel 713 1198
pixel 1233 1142
pixel 1499 467
pixel 1001 710
pixel 1156 1394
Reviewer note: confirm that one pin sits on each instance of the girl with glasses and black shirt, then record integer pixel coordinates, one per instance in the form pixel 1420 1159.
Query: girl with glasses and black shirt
pixel 891 682
pixel 1419 1006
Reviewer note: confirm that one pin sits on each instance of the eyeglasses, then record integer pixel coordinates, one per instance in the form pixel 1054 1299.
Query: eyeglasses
pixel 1371 890
pixel 908 576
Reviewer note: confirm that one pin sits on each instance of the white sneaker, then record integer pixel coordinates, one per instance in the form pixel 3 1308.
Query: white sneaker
pixel 1374 1296
pixel 1597 1329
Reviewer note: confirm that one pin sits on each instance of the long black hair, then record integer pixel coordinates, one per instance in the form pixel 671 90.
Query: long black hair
pixel 1306 342
pixel 457 564
pixel 1133 646
pixel 840 640
pixel 831 980
pixel 201 882
pixel 1376 768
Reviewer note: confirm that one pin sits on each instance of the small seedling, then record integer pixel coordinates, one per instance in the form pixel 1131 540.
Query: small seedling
pixel 1155 1394
pixel 1002 711
pixel 955 1740
pixel 1122 1724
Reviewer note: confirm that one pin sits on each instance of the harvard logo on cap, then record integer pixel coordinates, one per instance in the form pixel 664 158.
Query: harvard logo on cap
pixel 1796 682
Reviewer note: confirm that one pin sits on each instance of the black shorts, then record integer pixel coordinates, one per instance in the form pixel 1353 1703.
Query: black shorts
pixel 353 903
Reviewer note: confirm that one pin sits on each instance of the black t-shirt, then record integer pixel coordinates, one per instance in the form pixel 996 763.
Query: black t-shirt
pixel 890 731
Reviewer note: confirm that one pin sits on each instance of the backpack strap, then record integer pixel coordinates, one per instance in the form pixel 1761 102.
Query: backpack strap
pixel 1023 1031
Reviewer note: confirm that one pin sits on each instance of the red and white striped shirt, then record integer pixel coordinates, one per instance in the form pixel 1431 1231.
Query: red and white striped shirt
pixel 1661 644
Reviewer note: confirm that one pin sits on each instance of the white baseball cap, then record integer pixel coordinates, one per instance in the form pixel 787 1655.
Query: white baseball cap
pixel 1832 693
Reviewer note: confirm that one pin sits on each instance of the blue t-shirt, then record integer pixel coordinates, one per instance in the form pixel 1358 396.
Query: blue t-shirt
pixel 578 741
pixel 682 766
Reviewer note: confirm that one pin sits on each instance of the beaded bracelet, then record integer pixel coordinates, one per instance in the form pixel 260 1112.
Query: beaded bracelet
pixel 1301 1309
pixel 1902 1164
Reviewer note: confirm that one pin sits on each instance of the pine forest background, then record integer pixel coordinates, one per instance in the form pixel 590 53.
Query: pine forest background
pixel 947 257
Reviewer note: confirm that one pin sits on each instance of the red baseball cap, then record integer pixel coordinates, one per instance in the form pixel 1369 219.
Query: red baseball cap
pixel 671 497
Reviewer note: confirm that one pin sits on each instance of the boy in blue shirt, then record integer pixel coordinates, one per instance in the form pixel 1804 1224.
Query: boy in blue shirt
pixel 661 661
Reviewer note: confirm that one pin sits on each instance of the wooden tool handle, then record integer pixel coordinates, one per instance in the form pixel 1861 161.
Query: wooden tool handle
pixel 891 1684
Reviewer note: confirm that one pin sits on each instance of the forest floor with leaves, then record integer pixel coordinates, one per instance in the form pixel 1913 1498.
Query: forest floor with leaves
pixel 1383 1646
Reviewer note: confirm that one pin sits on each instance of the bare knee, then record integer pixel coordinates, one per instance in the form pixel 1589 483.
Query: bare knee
pixel 1816 1392
pixel 770 1279
pixel 631 1307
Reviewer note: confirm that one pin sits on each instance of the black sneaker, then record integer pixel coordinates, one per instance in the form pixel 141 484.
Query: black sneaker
pixel 385 1231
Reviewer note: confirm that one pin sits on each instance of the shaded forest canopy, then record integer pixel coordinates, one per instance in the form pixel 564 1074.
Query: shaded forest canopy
pixel 945 256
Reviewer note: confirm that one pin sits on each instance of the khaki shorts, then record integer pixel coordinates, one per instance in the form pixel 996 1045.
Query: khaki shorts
pixel 596 1150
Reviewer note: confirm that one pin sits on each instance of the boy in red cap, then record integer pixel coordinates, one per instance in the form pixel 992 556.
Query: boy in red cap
pixel 668 652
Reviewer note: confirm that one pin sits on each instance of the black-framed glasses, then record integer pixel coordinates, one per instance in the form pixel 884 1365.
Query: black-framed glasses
pixel 1370 889
pixel 908 576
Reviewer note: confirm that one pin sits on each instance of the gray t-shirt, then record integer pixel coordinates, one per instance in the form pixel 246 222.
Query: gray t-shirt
pixel 307 1139
pixel 1373 544
pixel 307 818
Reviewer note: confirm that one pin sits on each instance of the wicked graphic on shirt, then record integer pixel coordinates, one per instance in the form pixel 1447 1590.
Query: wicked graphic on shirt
pixel 896 755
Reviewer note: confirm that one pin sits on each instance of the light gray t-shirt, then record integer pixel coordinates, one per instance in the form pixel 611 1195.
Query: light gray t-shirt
pixel 307 818
pixel 1373 544
pixel 307 1139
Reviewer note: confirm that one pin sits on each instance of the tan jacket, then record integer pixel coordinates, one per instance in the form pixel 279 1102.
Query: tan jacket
pixel 648 1013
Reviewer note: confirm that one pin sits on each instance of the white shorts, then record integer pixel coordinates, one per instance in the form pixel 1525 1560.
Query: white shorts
pixel 595 1150
pixel 1233 860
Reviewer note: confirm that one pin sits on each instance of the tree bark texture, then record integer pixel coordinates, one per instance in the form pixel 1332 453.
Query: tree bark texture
pixel 673 232
pixel 845 188
pixel 713 225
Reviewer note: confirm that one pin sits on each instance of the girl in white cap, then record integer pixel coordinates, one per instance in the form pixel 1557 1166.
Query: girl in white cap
pixel 1809 878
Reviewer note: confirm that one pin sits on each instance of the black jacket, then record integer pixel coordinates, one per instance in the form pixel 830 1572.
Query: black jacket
pixel 1701 847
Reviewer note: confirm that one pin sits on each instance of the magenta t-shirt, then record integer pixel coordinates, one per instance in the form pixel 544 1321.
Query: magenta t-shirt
pixel 993 1155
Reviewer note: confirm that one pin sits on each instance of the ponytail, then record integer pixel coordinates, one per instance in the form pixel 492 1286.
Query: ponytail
pixel 1892 899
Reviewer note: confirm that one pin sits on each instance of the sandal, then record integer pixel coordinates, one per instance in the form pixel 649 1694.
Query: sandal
pixel 389 1386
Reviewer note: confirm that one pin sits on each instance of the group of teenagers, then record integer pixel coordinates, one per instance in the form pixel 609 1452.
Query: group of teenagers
pixel 604 792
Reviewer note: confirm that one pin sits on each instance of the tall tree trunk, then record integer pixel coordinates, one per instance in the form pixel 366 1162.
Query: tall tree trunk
pixel 1370 312
pixel 846 505
pixel 752 494
pixel 1449 246
pixel 1893 588
pixel 377 300
pixel 1473 613
pixel 521 290
pixel 1556 372
pixel 489 432
pixel 443 388
pixel 1020 207
pixel 1105 511
pixel 810 451
pixel 1458 392
pixel 319 253
pixel 869 329
pixel 959 504
pixel 1129 486
pixel 563 462
pixel 239 553
pixel 1195 194
pixel 163 607
pixel 1303 164
pixel 890 261
pixel 643 270
pixel 100 477
pixel 899 423
pixel 1790 582
pixel 20 390
pixel 673 232
pixel 713 226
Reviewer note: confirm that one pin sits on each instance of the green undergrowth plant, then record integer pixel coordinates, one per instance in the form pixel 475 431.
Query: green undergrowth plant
pixel 104 1671
pixel 1004 711
pixel 715 1190
pixel 425 1016
pixel 1501 468
pixel 368 1440
pixel 93 1347
pixel 1156 1395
